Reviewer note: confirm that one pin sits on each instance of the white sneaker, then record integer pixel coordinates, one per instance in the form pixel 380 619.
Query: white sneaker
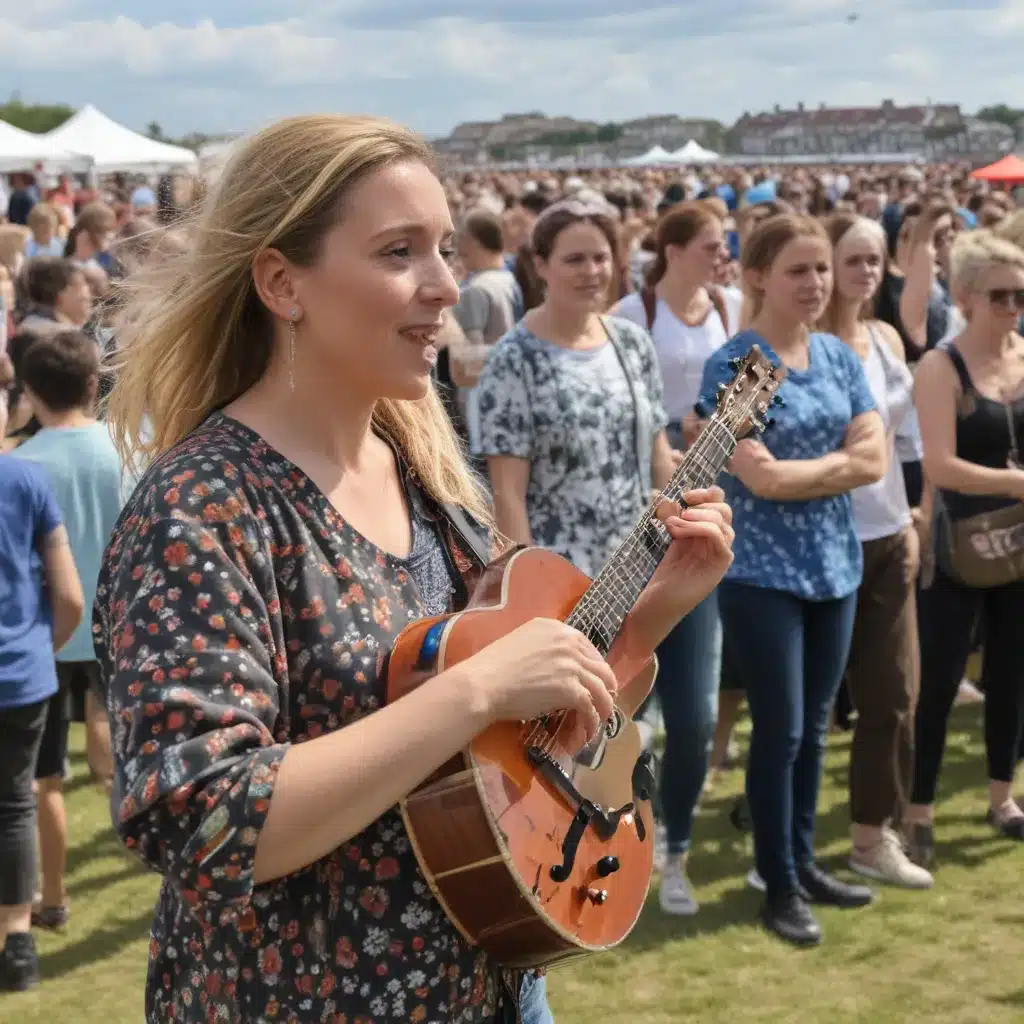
pixel 676 894
pixel 887 862
pixel 968 693
pixel 755 881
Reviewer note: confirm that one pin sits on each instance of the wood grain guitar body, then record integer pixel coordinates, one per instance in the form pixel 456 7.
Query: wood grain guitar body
pixel 500 843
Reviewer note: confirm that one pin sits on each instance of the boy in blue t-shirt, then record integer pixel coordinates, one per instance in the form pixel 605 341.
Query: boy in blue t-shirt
pixel 60 375
pixel 40 607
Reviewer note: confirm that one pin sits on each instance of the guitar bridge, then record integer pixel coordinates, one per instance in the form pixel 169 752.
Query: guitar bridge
pixel 606 823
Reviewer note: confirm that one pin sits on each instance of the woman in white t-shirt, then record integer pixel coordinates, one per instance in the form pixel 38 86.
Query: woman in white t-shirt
pixel 689 319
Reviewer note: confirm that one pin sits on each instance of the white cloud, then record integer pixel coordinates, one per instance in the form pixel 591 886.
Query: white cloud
pixel 435 69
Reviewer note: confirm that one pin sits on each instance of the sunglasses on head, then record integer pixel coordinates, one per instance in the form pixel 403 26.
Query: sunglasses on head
pixel 576 208
pixel 1006 297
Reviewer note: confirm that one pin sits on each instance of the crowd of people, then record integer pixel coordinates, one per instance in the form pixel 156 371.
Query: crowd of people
pixel 893 297
pixel 310 366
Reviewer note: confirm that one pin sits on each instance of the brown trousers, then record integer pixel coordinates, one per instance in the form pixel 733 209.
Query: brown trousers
pixel 883 676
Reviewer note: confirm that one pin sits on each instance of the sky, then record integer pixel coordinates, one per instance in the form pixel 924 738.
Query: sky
pixel 220 66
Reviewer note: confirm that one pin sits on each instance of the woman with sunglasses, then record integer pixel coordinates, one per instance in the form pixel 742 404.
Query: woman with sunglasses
pixel 970 403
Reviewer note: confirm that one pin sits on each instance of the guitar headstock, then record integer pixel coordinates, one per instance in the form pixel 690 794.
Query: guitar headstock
pixel 743 404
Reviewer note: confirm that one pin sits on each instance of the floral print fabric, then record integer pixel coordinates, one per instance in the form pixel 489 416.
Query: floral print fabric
pixel 571 414
pixel 806 548
pixel 237 614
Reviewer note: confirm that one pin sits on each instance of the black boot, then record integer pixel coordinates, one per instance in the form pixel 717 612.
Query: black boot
pixel 789 917
pixel 821 887
pixel 19 965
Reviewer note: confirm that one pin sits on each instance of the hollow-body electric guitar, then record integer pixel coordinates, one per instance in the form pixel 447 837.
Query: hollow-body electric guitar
pixel 540 852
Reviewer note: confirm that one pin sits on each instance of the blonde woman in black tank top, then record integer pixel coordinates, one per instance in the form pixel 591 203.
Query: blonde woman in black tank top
pixel 970 400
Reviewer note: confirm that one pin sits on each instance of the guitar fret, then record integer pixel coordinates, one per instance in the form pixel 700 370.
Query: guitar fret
pixel 602 610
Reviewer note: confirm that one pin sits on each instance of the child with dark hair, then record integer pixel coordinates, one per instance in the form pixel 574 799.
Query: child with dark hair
pixel 60 375
pixel 40 606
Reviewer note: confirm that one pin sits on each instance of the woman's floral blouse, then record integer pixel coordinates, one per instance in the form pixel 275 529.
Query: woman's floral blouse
pixel 237 614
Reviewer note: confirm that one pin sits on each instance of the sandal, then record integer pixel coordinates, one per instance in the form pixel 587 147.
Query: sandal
pixel 53 919
pixel 920 844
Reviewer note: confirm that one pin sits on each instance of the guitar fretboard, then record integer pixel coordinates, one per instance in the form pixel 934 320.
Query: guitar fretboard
pixel 611 596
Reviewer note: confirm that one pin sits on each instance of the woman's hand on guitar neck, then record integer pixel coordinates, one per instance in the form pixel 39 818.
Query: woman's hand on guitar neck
pixel 697 559
pixel 541 668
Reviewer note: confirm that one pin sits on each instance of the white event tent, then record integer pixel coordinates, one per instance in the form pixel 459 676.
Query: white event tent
pixel 694 153
pixel 112 147
pixel 25 151
pixel 653 157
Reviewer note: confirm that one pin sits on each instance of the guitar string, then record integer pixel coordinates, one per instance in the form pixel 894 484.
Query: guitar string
pixel 707 439
pixel 631 546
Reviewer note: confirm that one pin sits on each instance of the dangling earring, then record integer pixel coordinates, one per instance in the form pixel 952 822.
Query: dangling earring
pixel 291 350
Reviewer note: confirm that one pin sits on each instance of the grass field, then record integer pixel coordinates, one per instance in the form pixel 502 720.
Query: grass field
pixel 949 956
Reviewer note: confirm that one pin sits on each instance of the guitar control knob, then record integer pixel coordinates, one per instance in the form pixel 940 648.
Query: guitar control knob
pixel 597 896
pixel 607 866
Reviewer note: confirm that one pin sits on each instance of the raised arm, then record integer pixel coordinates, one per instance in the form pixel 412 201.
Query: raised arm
pixel 917 288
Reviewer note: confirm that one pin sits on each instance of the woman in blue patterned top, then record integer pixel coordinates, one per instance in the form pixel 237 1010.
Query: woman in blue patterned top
pixel 788 602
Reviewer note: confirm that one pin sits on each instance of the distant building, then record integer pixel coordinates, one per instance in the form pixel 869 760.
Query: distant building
pixel 537 136
pixel 666 130
pixel 933 131
pixel 915 130
pixel 987 137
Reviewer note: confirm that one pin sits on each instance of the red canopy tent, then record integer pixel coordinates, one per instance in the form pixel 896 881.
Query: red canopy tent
pixel 1010 170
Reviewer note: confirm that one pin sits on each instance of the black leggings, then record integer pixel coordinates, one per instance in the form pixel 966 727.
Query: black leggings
pixel 21 730
pixel 948 613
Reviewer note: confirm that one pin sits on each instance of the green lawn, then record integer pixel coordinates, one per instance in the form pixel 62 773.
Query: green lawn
pixel 949 955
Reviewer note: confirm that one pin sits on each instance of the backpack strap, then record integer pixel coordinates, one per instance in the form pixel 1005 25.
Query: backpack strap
pixel 718 301
pixel 650 301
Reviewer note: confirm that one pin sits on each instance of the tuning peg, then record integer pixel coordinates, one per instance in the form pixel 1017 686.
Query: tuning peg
pixel 769 421
pixel 722 388
pixel 735 363
pixel 779 401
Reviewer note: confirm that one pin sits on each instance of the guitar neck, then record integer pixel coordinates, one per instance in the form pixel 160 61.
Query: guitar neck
pixel 603 608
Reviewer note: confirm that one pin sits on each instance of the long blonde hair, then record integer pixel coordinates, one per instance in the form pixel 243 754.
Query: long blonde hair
pixel 851 226
pixel 192 332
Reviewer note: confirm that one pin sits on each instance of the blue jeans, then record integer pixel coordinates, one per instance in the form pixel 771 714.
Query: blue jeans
pixel 689 665
pixel 790 655
pixel 533 1001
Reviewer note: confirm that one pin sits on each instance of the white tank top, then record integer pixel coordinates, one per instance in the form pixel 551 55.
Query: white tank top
pixel 881 509
pixel 682 350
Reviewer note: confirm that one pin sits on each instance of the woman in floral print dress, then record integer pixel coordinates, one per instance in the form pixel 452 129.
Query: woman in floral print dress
pixel 277 374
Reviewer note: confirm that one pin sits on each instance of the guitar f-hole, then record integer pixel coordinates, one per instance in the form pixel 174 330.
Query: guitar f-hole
pixel 580 821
